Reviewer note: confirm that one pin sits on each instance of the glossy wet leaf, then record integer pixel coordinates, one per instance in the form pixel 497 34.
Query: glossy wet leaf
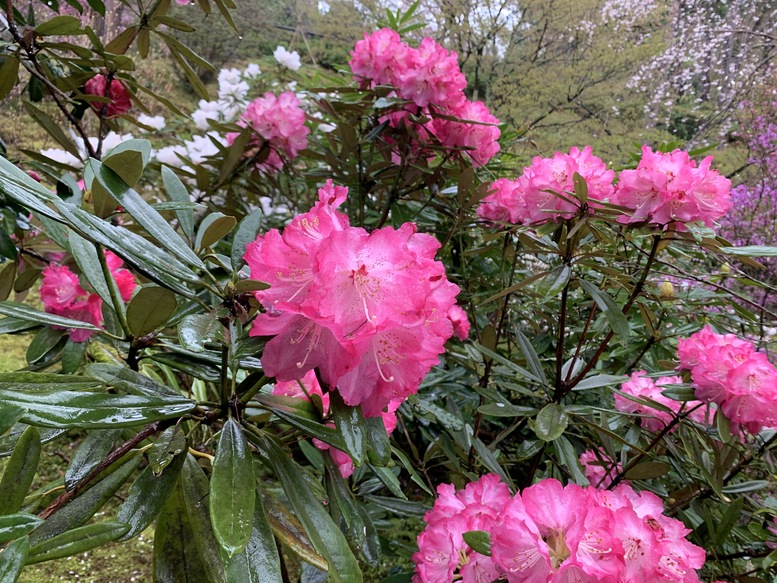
pixel 615 317
pixel 85 254
pixel 290 532
pixel 149 309
pixel 67 409
pixel 83 507
pixel 92 450
pixel 245 234
pixel 78 540
pixel 23 312
pixel 647 471
pixel 177 192
pixel 350 423
pixel 197 329
pixel 45 341
pixel 59 26
pixel 12 559
pixel 377 440
pixel 147 496
pixel 326 537
pixel 17 525
pixel 259 562
pixel 479 541
pixel 17 185
pixel 128 160
pixel 232 490
pixel 9 414
pixel 127 380
pixel 20 471
pixel 170 443
pixel 143 213
pixel 551 422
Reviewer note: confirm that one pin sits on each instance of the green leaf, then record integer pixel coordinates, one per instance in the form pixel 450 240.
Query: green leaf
pixel 12 560
pixel 7 246
pixel 617 321
pixel 556 279
pixel 245 234
pixel 44 120
pixel 188 71
pixel 9 74
pixel 121 42
pixel 502 409
pixel 290 532
pixel 259 562
pixel 73 354
pixel 235 153
pixel 213 228
pixel 41 381
pixel 724 426
pixel 232 490
pixel 93 449
pixel 7 276
pixel 147 496
pixel 326 537
pixel 750 251
pixel 67 409
pixel 601 380
pixel 551 422
pixel 581 187
pixel 176 556
pixel 78 540
pixel 23 312
pixel 17 185
pixel 195 486
pixel 648 471
pixel 44 342
pixel 249 285
pixel 83 507
pixel 313 428
pixel 130 381
pixel 9 414
pixel 16 525
pixel 532 359
pixel 350 423
pixel 389 480
pixel 171 442
pixel 378 446
pixel 197 329
pixel 141 211
pixel 479 541
pixel 568 457
pixel 680 393
pixel 20 471
pixel 59 26
pixel 129 159
pixel 149 309
pixel 743 487
pixel 177 192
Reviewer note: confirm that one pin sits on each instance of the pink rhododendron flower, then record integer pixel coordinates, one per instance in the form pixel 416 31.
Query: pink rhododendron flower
pixel 371 311
pixel 554 533
pixel 669 188
pixel 429 78
pixel 652 418
pixel 599 468
pixel 118 95
pixel 62 294
pixel 542 193
pixel 281 124
pixel 728 371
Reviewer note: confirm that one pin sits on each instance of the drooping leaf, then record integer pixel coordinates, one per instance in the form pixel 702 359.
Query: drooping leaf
pixel 213 228
pixel 197 329
pixel 93 450
pixel 16 525
pixel 23 312
pixel 9 415
pixel 350 423
pixel 232 490
pixel 245 234
pixel 170 443
pixel 615 317
pixel 259 562
pixel 20 471
pixel 647 471
pixel 12 559
pixel 177 192
pixel 130 381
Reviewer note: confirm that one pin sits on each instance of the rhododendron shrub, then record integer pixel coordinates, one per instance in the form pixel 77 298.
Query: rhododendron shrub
pixel 549 532
pixel 288 362
pixel 116 97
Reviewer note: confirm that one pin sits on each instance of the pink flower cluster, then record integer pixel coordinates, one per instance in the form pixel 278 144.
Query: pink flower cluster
pixel 667 188
pixel 308 386
pixel 429 77
pixel 62 294
pixel 600 468
pixel 281 124
pixel 117 93
pixel 730 372
pixel 545 191
pixel 371 311
pixel 656 418
pixel 554 533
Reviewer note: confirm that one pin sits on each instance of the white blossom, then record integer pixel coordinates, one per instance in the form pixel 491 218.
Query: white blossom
pixel 287 59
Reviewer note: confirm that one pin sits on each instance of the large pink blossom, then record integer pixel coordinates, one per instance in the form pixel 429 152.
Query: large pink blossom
pixel 670 188
pixel 280 123
pixel 119 100
pixel 554 533
pixel 599 468
pixel 728 371
pixel 370 311
pixel 62 294
pixel 545 191
pixel 476 134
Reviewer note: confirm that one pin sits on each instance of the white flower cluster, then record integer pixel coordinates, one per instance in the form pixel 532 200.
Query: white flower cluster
pixel 287 59
pixel 156 122
pixel 110 141
pixel 195 151
pixel 234 86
